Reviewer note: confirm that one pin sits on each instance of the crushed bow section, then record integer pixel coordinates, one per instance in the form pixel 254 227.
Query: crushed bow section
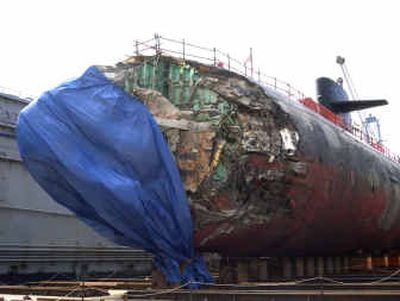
pixel 235 148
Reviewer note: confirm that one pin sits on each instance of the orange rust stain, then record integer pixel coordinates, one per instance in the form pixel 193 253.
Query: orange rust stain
pixel 194 156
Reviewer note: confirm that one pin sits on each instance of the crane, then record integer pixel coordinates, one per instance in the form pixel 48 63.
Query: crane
pixel 370 124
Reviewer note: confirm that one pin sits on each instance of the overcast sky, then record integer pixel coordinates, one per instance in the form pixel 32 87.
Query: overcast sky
pixel 46 42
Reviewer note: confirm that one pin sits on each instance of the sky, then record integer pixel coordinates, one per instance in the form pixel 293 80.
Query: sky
pixel 43 43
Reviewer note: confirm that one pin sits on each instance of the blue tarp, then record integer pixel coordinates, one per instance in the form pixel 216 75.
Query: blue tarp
pixel 98 151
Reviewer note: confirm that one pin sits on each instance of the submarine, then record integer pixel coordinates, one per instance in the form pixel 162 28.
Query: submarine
pixel 265 173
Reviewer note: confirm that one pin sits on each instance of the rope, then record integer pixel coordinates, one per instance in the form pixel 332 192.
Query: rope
pixel 69 293
pixel 319 278
pixel 231 285
pixel 395 273
pixel 144 42
pixel 162 292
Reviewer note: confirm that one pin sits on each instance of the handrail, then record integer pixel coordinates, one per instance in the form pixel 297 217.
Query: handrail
pixel 355 131
pixel 218 58
pixel 182 49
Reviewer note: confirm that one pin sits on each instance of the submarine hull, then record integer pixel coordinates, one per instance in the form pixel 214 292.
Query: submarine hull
pixel 344 199
pixel 265 175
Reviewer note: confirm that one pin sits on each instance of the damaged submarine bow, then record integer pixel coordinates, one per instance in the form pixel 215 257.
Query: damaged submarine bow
pixel 265 175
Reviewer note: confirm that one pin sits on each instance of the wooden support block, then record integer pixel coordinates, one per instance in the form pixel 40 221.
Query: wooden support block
pixel 346 264
pixel 310 266
pixel 274 267
pixel 320 266
pixel 263 270
pixel 329 265
pixel 358 263
pixel 394 261
pixel 253 267
pixel 227 274
pixel 158 279
pixel 337 265
pixel 386 260
pixel 370 264
pixel 362 263
pixel 300 267
pixel 242 271
pixel 287 267
pixel 379 261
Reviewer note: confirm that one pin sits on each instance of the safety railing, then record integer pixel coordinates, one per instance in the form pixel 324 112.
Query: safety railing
pixel 215 57
pixel 212 56
pixel 356 131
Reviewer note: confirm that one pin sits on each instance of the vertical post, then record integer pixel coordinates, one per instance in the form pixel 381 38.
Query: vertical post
pixel 156 43
pixel 275 83
pixel 183 49
pixel 215 56
pixel 159 44
pixel 251 62
pixel 289 90
pixel 229 62
pixel 259 76
pixel 137 47
pixel 245 69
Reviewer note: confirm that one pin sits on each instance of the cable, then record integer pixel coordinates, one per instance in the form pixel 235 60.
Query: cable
pixel 69 293
pixel 319 278
pixel 162 292
pixel 395 273
pixel 144 42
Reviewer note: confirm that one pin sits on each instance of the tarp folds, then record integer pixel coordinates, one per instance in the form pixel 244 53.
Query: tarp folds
pixel 98 151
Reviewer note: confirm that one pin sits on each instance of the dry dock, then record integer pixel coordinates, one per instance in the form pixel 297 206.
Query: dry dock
pixel 140 289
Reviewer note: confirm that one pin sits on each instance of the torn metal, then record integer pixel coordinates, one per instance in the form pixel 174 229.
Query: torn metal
pixel 223 131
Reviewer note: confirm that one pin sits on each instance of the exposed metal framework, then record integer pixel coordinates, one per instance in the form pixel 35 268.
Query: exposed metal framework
pixel 217 58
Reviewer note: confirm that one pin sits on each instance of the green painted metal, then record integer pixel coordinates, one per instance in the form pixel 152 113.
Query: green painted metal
pixel 179 83
pixel 175 81
pixel 220 173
